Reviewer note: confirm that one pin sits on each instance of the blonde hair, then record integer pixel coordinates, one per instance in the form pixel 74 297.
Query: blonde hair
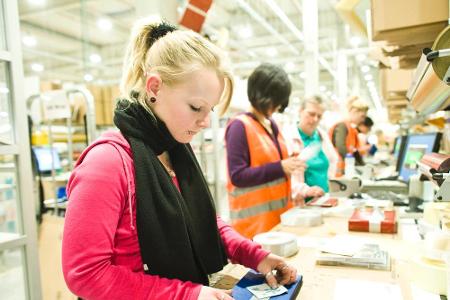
pixel 173 57
pixel 356 103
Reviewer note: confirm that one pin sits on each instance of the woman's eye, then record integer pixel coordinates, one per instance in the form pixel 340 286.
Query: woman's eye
pixel 196 109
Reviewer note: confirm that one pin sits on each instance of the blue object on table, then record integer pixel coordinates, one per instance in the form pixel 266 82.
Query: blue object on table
pixel 240 291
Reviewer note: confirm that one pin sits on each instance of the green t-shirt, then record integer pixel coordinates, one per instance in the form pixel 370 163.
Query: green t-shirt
pixel 317 167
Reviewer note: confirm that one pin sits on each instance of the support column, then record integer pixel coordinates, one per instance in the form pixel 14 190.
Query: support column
pixel 342 81
pixel 311 55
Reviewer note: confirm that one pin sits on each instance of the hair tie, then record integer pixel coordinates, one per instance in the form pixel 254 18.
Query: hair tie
pixel 159 31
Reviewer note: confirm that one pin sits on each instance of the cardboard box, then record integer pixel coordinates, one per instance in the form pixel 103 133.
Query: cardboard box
pixel 393 82
pixel 389 15
pixel 410 19
pixel 105 98
pixel 46 86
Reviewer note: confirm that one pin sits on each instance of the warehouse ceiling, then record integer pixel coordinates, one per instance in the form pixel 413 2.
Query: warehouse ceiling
pixel 73 40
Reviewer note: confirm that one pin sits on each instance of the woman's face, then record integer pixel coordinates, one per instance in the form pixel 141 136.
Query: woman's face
pixel 357 115
pixel 310 117
pixel 185 107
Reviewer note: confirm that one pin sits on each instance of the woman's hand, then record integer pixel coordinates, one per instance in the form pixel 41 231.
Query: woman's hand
pixel 209 293
pixel 298 200
pixel 285 273
pixel 314 192
pixel 292 164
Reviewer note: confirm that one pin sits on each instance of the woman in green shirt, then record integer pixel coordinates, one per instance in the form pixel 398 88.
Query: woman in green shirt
pixel 320 166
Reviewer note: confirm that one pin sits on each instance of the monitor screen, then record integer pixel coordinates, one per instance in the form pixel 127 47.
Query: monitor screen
pixel 416 146
pixel 44 159
pixel 399 149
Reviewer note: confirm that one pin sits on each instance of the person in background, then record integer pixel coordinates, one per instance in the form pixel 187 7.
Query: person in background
pixel 258 164
pixel 313 182
pixel 344 135
pixel 140 222
pixel 364 128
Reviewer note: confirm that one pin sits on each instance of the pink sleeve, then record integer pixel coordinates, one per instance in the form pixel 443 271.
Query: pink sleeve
pixel 97 192
pixel 240 249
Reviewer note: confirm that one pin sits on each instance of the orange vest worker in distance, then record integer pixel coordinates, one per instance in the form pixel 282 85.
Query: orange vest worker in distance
pixel 344 135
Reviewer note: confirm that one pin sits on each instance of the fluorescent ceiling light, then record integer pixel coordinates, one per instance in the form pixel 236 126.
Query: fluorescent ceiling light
pixel 88 77
pixel 245 32
pixel 361 57
pixel 271 51
pixel 289 66
pixel 355 41
pixel 95 58
pixel 365 69
pixel 104 24
pixel 29 40
pixel 37 2
pixel 37 67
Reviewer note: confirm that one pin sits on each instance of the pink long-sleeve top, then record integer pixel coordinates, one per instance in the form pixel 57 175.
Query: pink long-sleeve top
pixel 100 251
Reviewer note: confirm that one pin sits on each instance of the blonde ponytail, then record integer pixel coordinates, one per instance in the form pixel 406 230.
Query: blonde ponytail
pixel 173 56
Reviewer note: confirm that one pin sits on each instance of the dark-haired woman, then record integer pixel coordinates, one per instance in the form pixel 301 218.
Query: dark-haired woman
pixel 258 164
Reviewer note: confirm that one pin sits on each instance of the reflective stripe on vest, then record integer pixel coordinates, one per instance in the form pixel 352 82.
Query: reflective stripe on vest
pixel 258 209
pixel 241 191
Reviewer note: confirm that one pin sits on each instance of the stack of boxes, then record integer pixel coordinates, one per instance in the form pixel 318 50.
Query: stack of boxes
pixel 401 29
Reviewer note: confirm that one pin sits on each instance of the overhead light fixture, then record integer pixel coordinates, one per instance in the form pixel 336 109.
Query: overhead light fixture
pixel 37 2
pixel 355 41
pixel 4 90
pixel 303 75
pixel 271 51
pixel 322 88
pixel 36 67
pixel 29 40
pixel 95 58
pixel 368 77
pixel 245 32
pixel 104 24
pixel 290 66
pixel 88 77
pixel 361 57
pixel 365 69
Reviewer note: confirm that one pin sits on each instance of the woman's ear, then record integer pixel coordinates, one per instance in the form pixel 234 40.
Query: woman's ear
pixel 153 84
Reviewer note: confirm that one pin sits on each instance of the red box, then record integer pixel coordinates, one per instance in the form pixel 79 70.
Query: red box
pixel 368 220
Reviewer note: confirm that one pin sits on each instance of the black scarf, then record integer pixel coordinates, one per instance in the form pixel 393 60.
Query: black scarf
pixel 177 232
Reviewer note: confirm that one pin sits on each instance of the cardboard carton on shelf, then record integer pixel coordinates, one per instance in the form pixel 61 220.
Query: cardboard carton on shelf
pixel 395 81
pixel 423 18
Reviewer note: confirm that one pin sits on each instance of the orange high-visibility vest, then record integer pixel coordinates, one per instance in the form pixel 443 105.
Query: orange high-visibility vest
pixel 351 142
pixel 258 208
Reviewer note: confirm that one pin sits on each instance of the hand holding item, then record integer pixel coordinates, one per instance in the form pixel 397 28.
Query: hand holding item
pixel 209 293
pixel 292 164
pixel 314 192
pixel 276 270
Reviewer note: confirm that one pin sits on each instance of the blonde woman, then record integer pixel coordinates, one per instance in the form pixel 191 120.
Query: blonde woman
pixel 141 223
pixel 344 135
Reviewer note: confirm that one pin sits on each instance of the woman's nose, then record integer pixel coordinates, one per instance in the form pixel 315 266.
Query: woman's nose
pixel 204 122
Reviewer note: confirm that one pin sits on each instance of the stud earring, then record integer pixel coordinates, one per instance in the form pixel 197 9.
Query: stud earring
pixel 152 99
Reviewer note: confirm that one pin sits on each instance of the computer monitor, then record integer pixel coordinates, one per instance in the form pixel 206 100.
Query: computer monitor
pixel 416 146
pixel 44 156
pixel 399 150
